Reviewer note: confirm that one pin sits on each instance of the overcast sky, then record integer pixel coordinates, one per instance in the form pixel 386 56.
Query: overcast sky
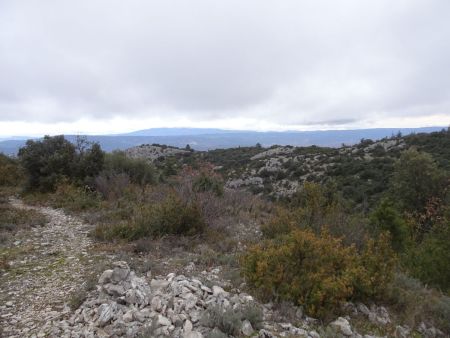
pixel 111 66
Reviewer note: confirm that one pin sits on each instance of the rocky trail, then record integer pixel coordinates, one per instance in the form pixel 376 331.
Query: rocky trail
pixel 49 264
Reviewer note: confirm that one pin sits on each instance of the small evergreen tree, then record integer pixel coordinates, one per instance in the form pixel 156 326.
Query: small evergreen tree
pixel 387 218
pixel 52 159
pixel 416 179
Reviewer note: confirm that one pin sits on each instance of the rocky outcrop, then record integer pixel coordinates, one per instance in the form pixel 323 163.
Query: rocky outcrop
pixel 282 170
pixel 153 152
pixel 245 182
pixel 273 152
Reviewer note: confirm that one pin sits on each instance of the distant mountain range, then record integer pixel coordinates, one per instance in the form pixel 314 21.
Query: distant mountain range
pixel 205 139
pixel 181 132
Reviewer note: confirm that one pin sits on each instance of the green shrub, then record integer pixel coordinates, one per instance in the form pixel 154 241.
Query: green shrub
pixel 415 303
pixel 138 170
pixel 310 207
pixel 440 310
pixel 47 161
pixel 10 171
pixel 12 219
pixel 430 260
pixel 282 223
pixel 387 218
pixel 437 144
pixel 318 272
pixel 112 187
pixel 89 160
pixel 416 180
pixel 171 216
pixel 204 182
pixel 73 198
pixel 316 207
pixel 52 159
pixel 376 264
pixel 227 320
pixel 253 313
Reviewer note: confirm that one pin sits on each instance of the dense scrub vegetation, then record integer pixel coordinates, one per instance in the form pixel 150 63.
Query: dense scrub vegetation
pixel 436 144
pixel 10 171
pixel 137 171
pixel 318 271
pixel 53 159
pixel 231 159
pixel 368 230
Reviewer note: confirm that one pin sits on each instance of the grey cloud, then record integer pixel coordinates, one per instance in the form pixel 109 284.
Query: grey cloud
pixel 330 122
pixel 281 62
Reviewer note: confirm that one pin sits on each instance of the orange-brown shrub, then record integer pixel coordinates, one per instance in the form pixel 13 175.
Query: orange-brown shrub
pixel 316 271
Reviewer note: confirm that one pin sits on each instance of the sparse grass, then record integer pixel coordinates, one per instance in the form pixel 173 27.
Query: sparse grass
pixel 79 295
pixel 75 199
pixel 216 333
pixel 285 312
pixel 77 298
pixel 329 332
pixel 10 220
pixel 414 303
pixel 68 197
pixel 233 275
pixel 364 326
pixel 208 258
pixel 253 313
pixel 13 219
pixel 9 254
pixel 229 320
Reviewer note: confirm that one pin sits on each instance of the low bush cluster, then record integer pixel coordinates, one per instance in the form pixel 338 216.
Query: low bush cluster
pixel 170 216
pixel 316 206
pixel 421 191
pixel 416 303
pixel 137 170
pixel 74 198
pixel 386 218
pixel 430 260
pixel 205 182
pixel 10 171
pixel 228 321
pixel 317 271
pixel 13 219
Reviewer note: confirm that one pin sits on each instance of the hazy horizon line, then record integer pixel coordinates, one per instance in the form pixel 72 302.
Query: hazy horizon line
pixel 125 133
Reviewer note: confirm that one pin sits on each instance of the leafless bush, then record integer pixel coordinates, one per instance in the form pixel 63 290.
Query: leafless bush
pixel 211 207
pixel 112 187
pixel 238 201
pixel 157 193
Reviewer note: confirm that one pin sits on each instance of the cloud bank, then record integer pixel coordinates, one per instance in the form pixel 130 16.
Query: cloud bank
pixel 267 64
